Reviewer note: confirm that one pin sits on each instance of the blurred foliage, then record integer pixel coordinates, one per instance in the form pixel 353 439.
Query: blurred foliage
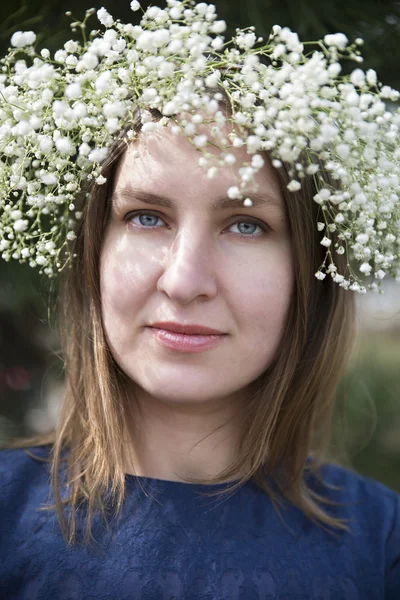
pixel 370 425
pixel 371 389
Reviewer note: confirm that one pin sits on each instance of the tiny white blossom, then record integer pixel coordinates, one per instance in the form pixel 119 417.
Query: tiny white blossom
pixel 71 46
pixel 84 149
pixel 339 40
pixel 64 146
pixel 230 159
pixel 246 40
pixel 23 38
pixel 365 268
pixel 149 127
pixel 371 77
pixel 339 218
pixel 326 242
pixel 257 161
pixel 98 155
pixel 218 27
pixel 338 278
pixel 135 5
pixel 21 225
pixel 200 141
pixel 319 275
pixel 233 192
pixel 294 186
pixel 73 91
pixel 104 17
pixel 357 78
pixel 48 178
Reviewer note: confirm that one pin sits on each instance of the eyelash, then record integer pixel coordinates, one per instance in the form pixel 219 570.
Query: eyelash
pixel 263 226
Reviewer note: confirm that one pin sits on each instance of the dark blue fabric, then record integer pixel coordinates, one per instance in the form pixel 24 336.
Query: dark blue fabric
pixel 175 544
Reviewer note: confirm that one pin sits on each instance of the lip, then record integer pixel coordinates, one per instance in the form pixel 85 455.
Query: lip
pixel 192 329
pixel 184 342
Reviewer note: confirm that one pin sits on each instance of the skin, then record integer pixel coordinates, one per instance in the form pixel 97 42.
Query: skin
pixel 191 265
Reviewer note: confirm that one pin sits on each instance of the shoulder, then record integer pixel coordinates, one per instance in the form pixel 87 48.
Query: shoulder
pixel 358 490
pixel 373 510
pixel 22 468
pixel 356 493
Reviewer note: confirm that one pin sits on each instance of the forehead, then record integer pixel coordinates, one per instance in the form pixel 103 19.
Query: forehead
pixel 166 163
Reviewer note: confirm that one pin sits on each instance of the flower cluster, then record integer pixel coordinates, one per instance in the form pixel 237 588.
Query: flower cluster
pixel 59 115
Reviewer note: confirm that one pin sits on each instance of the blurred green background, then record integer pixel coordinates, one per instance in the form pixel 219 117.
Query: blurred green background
pixel 31 373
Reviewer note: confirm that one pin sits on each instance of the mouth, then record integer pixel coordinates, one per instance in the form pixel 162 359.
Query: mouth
pixel 193 338
pixel 191 329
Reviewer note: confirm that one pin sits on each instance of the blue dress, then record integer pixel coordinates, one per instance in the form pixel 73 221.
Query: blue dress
pixel 173 543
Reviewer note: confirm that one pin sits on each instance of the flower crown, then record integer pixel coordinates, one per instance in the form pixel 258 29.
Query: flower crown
pixel 60 114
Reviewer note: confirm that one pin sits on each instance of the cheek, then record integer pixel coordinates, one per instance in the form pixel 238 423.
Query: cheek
pixel 263 293
pixel 127 276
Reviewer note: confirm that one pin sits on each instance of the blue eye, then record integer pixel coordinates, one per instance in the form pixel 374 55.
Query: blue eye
pixel 147 219
pixel 246 228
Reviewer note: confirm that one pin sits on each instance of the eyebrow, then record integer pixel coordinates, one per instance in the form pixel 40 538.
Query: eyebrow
pixel 222 202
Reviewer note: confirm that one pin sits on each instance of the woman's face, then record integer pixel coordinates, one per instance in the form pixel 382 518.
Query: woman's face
pixel 175 251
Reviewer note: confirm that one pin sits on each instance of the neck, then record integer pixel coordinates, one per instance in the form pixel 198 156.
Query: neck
pixel 178 441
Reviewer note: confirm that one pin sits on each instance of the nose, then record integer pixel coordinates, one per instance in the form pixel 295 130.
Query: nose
pixel 189 269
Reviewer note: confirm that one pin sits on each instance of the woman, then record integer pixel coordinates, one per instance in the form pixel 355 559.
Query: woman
pixel 202 359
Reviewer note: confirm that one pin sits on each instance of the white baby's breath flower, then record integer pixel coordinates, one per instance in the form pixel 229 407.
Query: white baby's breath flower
pixel 21 225
pixel 230 159
pixel 105 18
pixel 257 161
pixel 319 275
pixel 365 268
pixel 338 40
pixel 64 146
pixel 246 40
pixel 49 178
pixel 362 238
pixel 218 27
pixel 357 78
pixel 73 91
pixel 20 39
pixel 371 77
pixel 71 46
pixel 326 242
pixel 200 141
pixel 59 118
pixel 233 192
pixel 97 155
pixel 294 186
pixel 149 127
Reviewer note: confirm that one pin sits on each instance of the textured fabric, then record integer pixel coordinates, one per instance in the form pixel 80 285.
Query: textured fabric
pixel 175 544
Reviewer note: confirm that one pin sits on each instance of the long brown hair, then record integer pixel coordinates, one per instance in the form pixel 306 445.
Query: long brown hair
pixel 287 421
